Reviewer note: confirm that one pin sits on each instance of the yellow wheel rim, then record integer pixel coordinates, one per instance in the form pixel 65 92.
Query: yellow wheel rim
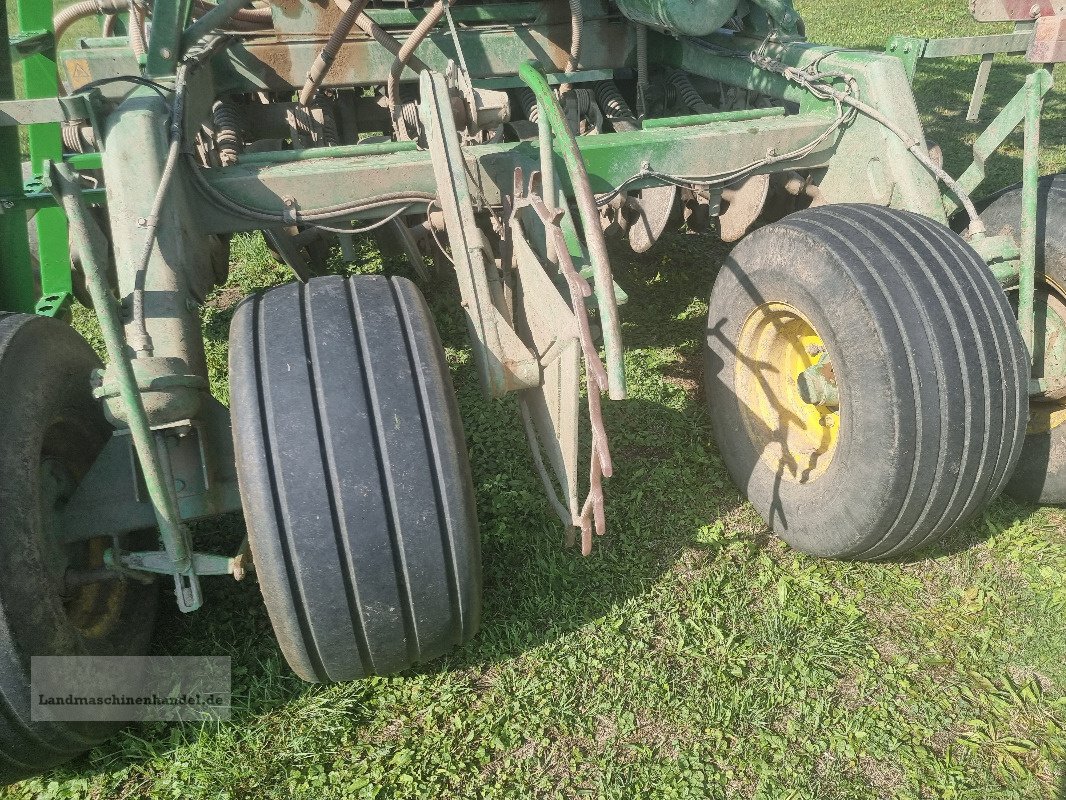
pixel 1045 417
pixel 796 439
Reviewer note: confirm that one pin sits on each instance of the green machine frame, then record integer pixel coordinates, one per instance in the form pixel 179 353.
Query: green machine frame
pixel 847 116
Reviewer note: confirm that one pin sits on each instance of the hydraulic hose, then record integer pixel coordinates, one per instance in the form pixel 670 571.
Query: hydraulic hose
pixel 577 24
pixel 329 51
pixel 384 38
pixel 255 16
pixel 137 41
pixel 109 8
pixel 86 8
pixel 409 46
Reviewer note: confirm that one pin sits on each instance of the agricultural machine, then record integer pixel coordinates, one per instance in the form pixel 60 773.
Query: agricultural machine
pixel 883 353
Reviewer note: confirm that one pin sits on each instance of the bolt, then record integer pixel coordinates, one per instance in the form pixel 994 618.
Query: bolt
pixel 9 204
pixel 828 421
pixel 142 222
pixel 165 53
pixel 645 166
pixel 1034 12
pixel 814 349
pixel 179 485
pixel 771 151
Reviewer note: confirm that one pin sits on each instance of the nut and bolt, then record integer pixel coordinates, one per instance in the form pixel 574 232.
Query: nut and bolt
pixel 9 204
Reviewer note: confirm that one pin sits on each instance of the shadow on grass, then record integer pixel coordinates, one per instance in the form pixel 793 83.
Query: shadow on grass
pixel 668 483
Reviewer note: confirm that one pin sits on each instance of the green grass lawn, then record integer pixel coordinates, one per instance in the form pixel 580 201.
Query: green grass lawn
pixel 692 655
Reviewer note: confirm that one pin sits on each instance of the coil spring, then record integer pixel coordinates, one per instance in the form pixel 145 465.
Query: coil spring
pixel 330 136
pixel 689 96
pixel 227 121
pixel 614 106
pixel 528 101
pixel 585 101
pixel 78 136
pixel 409 115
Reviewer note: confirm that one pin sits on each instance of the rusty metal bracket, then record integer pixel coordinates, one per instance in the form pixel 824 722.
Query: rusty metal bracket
pixel 560 333
pixel 504 362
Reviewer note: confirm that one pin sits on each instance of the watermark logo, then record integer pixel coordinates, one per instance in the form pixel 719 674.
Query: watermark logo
pixel 129 688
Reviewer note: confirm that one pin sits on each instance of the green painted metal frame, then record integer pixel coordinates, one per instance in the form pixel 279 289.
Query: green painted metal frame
pixel 1025 109
pixel 569 166
pixel 46 144
pixel 17 291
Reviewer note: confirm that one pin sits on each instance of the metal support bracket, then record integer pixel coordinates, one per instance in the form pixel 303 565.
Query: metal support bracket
pixel 996 133
pixel 92 247
pixel 560 333
pixel 504 362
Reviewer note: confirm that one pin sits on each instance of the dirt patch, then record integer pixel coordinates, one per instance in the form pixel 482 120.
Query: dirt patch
pixel 224 299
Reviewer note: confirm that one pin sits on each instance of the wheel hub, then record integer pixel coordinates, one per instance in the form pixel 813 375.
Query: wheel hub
pixel 787 390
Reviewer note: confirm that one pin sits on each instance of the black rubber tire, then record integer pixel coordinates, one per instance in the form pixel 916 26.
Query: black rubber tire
pixel 1041 473
pixel 354 476
pixel 48 412
pixel 930 368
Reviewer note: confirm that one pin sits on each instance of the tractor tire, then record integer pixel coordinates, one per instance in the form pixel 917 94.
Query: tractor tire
pixel 1041 473
pixel 919 399
pixel 51 430
pixel 354 476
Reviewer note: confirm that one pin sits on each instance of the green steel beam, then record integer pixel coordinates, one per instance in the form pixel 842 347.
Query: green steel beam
pixel 164 44
pixel 505 13
pixel 1034 90
pixel 869 164
pixel 743 115
pixel 46 144
pixel 1012 115
pixel 28 43
pixel 610 159
pixel 16 273
pixel 264 63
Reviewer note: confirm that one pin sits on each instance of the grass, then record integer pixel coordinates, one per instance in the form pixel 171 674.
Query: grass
pixel 692 655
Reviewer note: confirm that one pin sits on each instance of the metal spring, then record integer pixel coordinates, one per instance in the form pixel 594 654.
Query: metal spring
pixel 78 136
pixel 528 101
pixel 330 136
pixel 614 106
pixel 409 115
pixel 227 121
pixel 585 101
pixel 689 96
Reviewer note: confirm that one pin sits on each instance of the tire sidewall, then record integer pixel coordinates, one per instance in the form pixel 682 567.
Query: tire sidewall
pixel 853 494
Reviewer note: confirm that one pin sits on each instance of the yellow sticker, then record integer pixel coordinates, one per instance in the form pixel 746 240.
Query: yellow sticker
pixel 78 72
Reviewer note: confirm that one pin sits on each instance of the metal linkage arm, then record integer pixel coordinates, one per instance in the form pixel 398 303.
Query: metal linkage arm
pixel 563 138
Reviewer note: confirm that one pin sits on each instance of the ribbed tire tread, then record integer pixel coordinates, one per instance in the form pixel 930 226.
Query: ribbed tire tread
pixel 955 369
pixel 354 477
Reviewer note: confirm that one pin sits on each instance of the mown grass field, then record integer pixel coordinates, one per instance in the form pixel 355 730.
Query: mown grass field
pixel 692 654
